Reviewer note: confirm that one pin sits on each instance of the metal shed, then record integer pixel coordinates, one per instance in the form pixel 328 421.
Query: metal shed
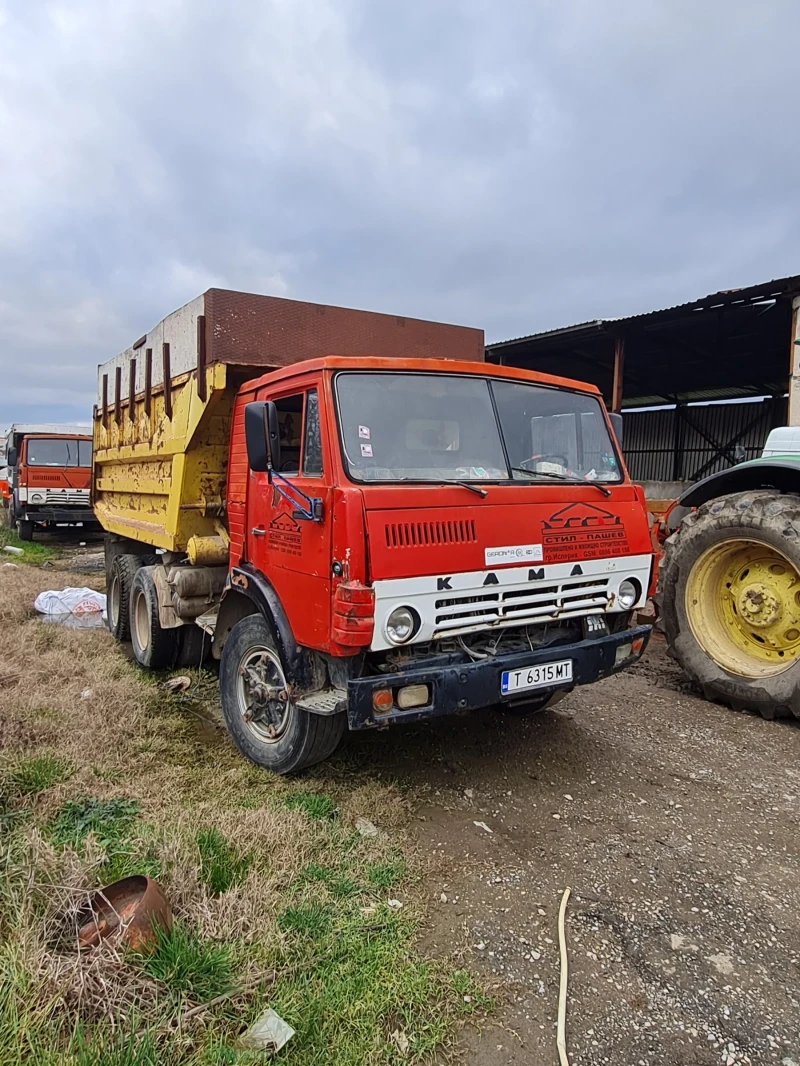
pixel 733 345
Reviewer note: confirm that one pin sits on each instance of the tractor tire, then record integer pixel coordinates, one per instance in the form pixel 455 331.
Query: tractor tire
pixel 194 646
pixel 24 529
pixel 153 647
pixel 729 596
pixel 120 583
pixel 280 736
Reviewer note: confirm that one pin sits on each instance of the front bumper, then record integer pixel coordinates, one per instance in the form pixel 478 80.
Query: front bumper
pixel 472 685
pixel 58 514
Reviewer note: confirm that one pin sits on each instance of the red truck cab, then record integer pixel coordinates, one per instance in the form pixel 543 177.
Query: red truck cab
pixel 411 538
pixel 50 471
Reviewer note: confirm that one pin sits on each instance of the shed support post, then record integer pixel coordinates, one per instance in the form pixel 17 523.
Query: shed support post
pixel 619 369
pixel 794 364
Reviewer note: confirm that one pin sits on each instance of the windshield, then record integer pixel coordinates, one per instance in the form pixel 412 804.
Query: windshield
pixel 50 451
pixel 443 427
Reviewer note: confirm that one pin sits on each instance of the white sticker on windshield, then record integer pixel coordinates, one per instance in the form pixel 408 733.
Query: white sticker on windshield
pixel 513 553
pixel 366 450
pixel 363 432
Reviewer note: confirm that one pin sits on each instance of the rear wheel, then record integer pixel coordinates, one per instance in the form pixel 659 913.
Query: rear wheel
pixel 263 720
pixel 120 583
pixel 25 529
pixel 730 600
pixel 153 647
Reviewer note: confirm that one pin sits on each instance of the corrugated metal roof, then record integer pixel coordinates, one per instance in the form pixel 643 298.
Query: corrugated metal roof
pixel 767 290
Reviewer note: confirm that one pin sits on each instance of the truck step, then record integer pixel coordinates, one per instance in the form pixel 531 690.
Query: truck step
pixel 327 701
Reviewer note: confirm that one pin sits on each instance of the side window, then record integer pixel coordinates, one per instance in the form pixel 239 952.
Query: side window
pixel 298 421
pixel 290 421
pixel 312 440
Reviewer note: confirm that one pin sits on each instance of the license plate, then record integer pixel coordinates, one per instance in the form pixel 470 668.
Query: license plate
pixel 543 676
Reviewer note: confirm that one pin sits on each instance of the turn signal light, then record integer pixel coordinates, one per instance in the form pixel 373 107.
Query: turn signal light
pixel 382 700
pixel 413 696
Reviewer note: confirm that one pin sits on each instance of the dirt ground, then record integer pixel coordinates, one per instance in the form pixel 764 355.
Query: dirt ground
pixel 674 822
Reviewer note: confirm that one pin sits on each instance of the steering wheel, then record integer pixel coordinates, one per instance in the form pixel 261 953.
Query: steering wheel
pixel 560 459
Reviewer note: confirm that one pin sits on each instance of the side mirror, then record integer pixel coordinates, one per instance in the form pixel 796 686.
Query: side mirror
pixel 616 425
pixel 739 454
pixel 11 458
pixel 262 436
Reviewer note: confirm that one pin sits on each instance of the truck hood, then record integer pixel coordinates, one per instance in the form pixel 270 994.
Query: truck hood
pixel 432 530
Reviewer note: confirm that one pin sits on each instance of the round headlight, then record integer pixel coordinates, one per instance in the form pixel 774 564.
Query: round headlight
pixel 628 594
pixel 37 497
pixel 401 625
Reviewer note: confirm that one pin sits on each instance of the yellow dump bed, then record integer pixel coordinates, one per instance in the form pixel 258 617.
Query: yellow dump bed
pixel 162 419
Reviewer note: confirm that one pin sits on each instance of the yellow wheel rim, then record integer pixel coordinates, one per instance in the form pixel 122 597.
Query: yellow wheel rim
pixel 743 605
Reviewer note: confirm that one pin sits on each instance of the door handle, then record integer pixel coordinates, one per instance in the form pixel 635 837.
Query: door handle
pixel 258 532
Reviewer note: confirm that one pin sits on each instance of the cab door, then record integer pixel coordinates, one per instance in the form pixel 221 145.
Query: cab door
pixel 292 549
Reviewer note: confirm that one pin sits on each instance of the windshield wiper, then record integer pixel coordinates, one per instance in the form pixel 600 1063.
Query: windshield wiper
pixel 443 481
pixel 561 477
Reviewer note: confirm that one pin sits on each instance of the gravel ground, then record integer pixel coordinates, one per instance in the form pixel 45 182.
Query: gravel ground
pixel 674 822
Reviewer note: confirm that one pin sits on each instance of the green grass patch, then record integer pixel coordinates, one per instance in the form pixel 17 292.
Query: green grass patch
pixel 221 864
pixel 109 820
pixel 33 775
pixel 32 551
pixel 189 965
pixel 385 874
pixel 313 804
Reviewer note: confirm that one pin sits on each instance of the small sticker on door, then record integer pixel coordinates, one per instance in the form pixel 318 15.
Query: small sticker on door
pixel 366 450
pixel 363 432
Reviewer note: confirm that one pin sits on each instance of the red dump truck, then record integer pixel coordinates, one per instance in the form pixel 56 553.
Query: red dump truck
pixel 365 522
pixel 49 472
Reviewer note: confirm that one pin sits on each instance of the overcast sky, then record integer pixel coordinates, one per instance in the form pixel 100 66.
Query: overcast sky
pixel 516 165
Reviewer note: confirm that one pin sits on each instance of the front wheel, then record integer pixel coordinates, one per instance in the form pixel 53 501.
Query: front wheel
pixel 730 601
pixel 25 529
pixel 263 720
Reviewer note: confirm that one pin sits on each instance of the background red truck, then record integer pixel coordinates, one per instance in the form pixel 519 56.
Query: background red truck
pixel 378 529
pixel 50 470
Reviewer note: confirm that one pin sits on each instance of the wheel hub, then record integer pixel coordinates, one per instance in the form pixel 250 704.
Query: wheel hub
pixel 743 606
pixel 759 604
pixel 264 698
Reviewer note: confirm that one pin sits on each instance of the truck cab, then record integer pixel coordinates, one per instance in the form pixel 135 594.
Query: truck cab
pixel 50 471
pixel 420 539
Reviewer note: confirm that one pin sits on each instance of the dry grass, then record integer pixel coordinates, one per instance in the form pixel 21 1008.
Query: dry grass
pixel 87 740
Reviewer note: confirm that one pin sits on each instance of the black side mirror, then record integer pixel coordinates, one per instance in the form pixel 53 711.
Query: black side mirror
pixel 616 425
pixel 262 436
pixel 11 458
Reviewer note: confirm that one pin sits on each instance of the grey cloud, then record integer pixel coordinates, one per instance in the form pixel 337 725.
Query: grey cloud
pixel 516 166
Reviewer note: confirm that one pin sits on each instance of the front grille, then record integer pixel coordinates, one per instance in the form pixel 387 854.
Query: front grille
pixel 546 603
pixel 425 534
pixel 62 498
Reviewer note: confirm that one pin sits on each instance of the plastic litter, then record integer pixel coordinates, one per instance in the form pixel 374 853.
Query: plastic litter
pixel 366 828
pixel 77 608
pixel 268 1033
pixel 12 550
pixel 483 825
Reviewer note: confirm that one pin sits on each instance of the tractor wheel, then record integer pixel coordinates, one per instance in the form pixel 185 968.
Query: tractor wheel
pixel 730 601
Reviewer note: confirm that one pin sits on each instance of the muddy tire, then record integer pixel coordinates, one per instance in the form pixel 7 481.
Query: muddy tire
pixel 25 529
pixel 262 719
pixel 729 595
pixel 194 646
pixel 120 583
pixel 153 647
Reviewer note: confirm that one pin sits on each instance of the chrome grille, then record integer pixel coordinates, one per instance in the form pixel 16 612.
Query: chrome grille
pixel 59 497
pixel 545 603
